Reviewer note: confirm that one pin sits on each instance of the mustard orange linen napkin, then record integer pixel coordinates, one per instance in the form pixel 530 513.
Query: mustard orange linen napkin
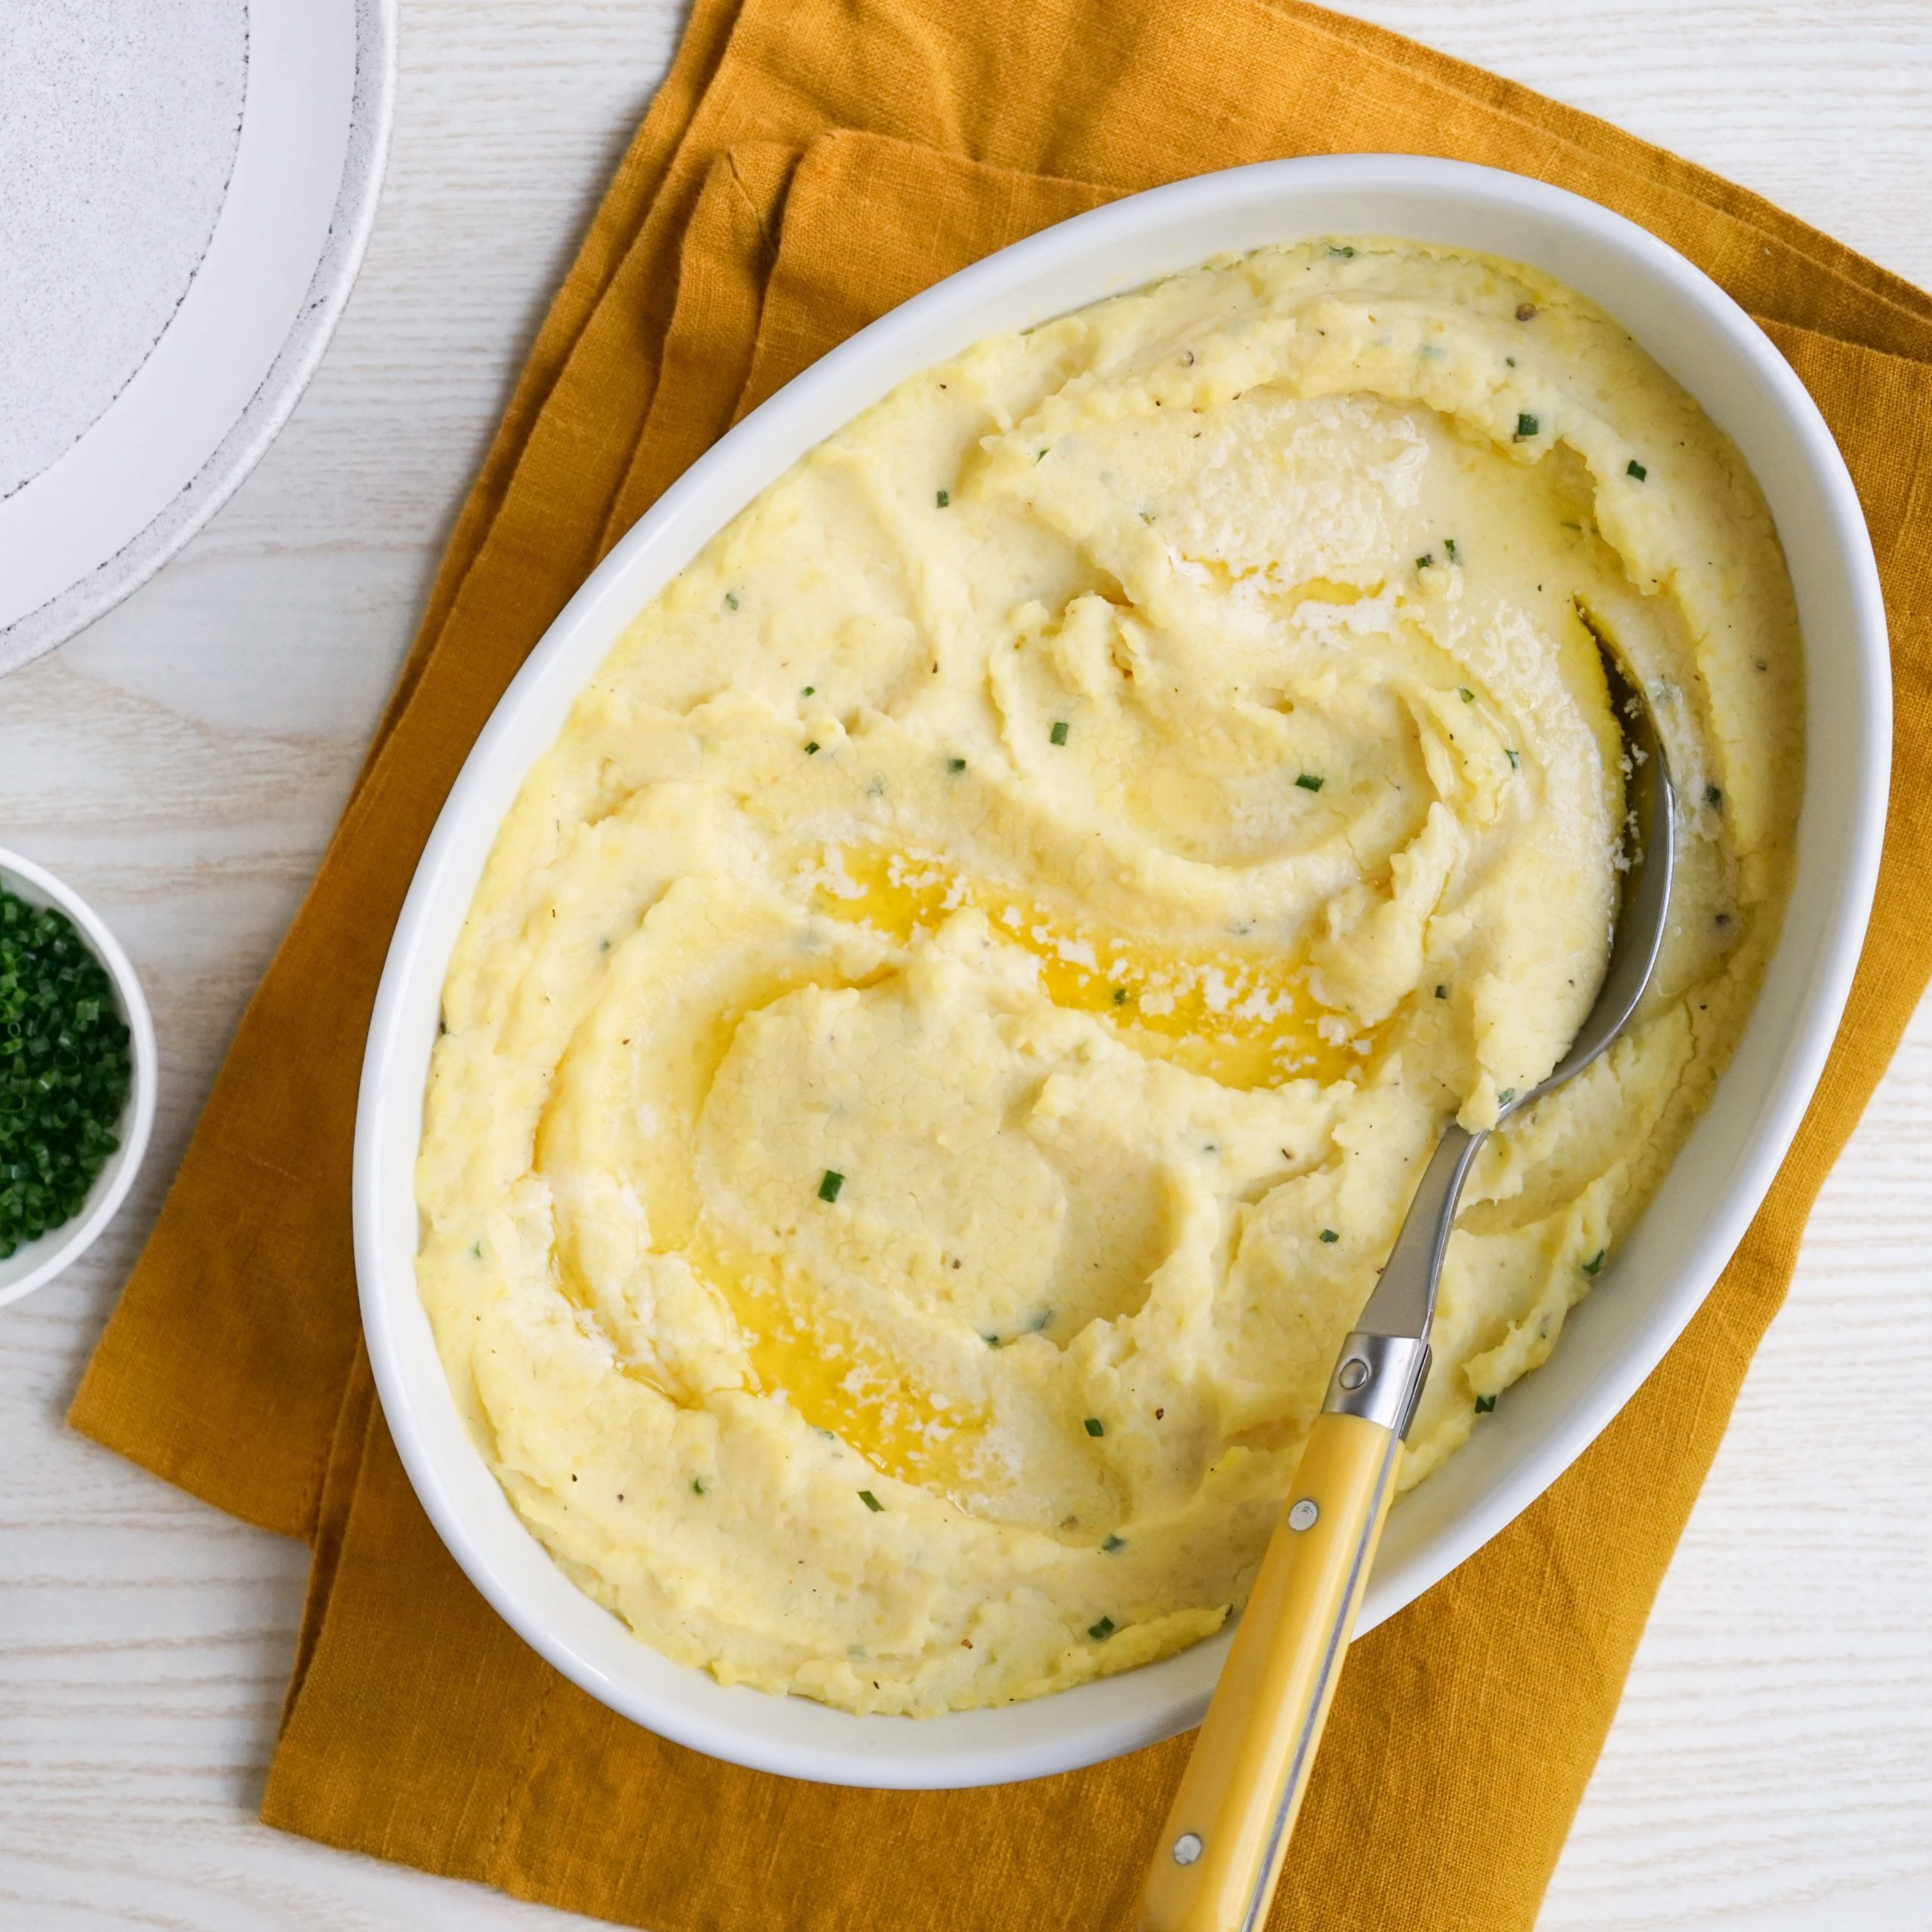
pixel 807 164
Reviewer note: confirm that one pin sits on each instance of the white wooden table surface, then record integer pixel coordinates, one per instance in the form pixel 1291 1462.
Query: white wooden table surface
pixel 183 761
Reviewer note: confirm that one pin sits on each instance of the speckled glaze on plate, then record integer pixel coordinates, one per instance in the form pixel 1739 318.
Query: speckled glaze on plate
pixel 186 195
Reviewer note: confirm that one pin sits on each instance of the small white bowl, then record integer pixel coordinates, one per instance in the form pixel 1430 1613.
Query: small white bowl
pixel 35 1264
pixel 1610 1344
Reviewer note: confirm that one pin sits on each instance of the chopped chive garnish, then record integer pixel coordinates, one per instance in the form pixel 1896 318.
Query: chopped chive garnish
pixel 1449 549
pixel 1345 252
pixel 810 689
pixel 1120 995
pixel 870 1501
pixel 811 746
pixel 731 599
pixel 1526 426
pixel 1515 763
pixel 1485 1404
pixel 697 1486
pixel 1330 1236
pixel 1633 468
pixel 65 1070
pixel 1113 1543
pixel 1594 1266
pixel 1426 561
pixel 476 1249
pixel 1094 1426
pixel 1040 457
pixel 1101 1631
pixel 1508 1094
pixel 1467 695
pixel 991 1341
pixel 1442 993
pixel 1058 734
pixel 955 764
pixel 827 1189
pixel 1713 796
pixel 1309 782
pixel 944 497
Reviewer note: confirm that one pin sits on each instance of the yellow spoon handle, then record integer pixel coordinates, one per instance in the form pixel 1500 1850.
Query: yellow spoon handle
pixel 1216 1862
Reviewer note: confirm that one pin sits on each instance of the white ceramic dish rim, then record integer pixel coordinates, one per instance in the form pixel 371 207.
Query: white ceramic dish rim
pixel 215 390
pixel 36 1264
pixel 1654 1287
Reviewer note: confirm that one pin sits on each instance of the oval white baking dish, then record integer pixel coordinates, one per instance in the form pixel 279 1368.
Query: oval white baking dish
pixel 1610 1344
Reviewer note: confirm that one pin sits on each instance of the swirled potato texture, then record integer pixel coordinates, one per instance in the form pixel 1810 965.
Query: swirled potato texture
pixel 946 1037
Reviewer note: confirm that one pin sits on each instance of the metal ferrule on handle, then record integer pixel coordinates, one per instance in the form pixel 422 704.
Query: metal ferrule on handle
pixel 1380 1378
pixel 1220 1852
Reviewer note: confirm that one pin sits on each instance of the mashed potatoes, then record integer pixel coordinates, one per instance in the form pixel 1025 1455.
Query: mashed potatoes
pixel 946 1037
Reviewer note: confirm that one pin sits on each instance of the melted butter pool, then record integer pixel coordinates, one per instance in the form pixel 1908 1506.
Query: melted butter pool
pixel 844 1383
pixel 1235 1014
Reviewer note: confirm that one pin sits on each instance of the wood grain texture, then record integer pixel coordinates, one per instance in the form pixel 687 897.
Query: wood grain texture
pixel 183 761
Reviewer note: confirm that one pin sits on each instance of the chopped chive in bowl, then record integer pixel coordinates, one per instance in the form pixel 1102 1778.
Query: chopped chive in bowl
pixel 66 1070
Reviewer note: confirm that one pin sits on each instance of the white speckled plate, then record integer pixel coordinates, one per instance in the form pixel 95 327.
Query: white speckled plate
pixel 185 190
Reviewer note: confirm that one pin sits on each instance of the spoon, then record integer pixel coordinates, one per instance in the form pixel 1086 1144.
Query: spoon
pixel 1218 1859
